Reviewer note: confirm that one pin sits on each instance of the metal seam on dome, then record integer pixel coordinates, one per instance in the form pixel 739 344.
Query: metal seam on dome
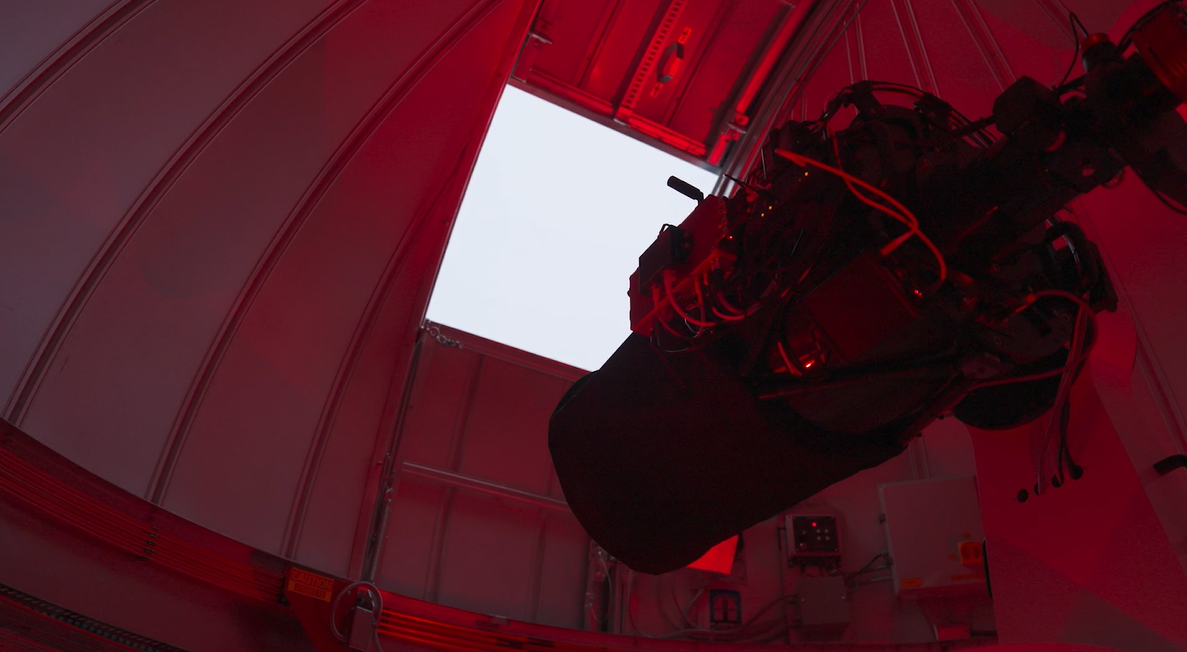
pixel 58 62
pixel 371 312
pixel 161 184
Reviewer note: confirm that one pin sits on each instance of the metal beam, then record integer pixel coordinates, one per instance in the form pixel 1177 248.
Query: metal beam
pixel 459 481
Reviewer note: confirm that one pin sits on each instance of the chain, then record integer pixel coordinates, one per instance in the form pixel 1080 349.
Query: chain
pixel 441 338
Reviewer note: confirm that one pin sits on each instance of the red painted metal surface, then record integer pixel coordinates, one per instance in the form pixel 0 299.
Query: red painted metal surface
pixel 222 224
pixel 406 622
pixel 47 484
pixel 237 234
pixel 27 623
pixel 80 557
pixel 1068 564
pixel 143 540
pixel 36 474
pixel 477 519
pixel 680 74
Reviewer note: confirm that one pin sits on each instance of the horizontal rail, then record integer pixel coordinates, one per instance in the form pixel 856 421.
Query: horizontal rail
pixel 460 481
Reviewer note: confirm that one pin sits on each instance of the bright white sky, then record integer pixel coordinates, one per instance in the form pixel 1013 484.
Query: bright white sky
pixel 552 225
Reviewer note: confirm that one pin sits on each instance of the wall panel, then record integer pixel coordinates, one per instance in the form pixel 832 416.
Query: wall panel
pixel 70 176
pixel 31 32
pixel 561 567
pixel 506 438
pixel 410 540
pixel 487 562
pixel 223 223
pixel 279 369
pixel 150 324
pixel 478 519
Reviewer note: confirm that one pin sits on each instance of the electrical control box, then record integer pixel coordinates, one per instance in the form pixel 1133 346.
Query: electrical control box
pixel 822 605
pixel 934 536
pixel 812 540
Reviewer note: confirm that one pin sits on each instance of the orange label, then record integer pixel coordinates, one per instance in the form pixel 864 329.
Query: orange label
pixel 310 584
pixel 911 582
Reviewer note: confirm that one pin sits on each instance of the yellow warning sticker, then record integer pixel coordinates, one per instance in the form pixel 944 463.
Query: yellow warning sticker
pixel 311 584
pixel 912 582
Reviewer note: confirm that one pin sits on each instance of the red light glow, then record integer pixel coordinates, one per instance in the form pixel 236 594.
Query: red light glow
pixel 719 559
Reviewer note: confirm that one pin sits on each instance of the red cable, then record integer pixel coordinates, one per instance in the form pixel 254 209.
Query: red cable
pixel 906 217
pixel 668 274
pixel 786 360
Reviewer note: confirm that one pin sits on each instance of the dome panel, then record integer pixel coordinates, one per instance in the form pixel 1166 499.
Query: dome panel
pixel 228 220
pixel 390 193
pixel 31 31
pixel 85 152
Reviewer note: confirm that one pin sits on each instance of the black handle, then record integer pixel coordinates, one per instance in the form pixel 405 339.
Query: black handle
pixel 1170 464
pixel 685 188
